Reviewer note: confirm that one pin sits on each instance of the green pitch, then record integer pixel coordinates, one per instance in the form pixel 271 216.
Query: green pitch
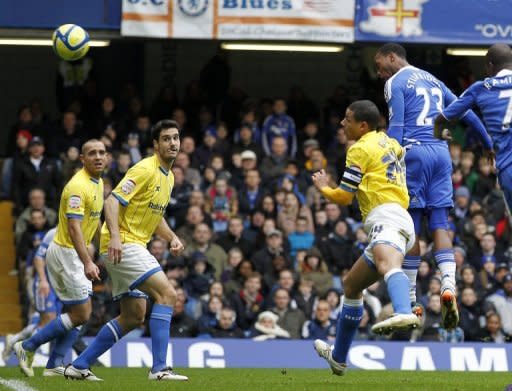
pixel 125 379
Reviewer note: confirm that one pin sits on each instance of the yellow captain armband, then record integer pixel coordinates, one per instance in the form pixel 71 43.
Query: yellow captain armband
pixel 338 195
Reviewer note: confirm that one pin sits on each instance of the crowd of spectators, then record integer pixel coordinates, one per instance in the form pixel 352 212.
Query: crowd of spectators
pixel 265 253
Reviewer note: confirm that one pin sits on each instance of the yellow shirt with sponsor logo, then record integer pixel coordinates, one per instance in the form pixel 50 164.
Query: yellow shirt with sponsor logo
pixel 82 198
pixel 375 171
pixel 143 193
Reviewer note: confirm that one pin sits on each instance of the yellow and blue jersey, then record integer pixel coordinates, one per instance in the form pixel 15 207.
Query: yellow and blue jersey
pixel 82 198
pixel 143 193
pixel 375 171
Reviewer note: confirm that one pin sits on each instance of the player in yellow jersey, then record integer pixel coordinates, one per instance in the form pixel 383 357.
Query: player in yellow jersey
pixel 133 213
pixel 375 174
pixel 70 267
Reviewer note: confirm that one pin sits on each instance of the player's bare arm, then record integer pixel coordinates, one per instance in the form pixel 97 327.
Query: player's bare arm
pixel 75 233
pixel 336 195
pixel 111 210
pixel 165 232
pixel 44 286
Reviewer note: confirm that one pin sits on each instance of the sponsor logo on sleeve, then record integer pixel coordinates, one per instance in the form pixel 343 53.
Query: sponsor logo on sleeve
pixel 128 187
pixel 74 202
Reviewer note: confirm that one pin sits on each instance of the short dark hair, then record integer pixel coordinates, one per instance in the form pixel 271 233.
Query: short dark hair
pixel 500 55
pixel 162 125
pixel 392 47
pixel 367 111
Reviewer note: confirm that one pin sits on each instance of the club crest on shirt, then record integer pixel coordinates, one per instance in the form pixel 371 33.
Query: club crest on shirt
pixel 74 202
pixel 128 187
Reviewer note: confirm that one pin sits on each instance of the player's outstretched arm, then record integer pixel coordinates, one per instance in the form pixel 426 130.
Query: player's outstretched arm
pixel 75 233
pixel 165 232
pixel 111 210
pixel 336 195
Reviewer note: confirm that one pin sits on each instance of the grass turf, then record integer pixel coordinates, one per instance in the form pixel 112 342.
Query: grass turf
pixel 125 379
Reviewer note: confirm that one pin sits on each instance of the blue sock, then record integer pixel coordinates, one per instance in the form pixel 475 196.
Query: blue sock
pixel 55 329
pixel 105 339
pixel 346 328
pixel 62 346
pixel 445 261
pixel 160 328
pixel 410 268
pixel 398 290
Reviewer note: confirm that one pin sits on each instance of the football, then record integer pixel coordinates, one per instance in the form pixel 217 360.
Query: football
pixel 70 42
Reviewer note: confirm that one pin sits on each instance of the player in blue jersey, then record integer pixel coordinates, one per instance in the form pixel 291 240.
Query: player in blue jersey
pixel 493 96
pixel 415 98
pixel 47 306
pixel 45 302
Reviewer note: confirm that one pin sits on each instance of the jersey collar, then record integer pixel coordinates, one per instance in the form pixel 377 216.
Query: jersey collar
pixel 95 180
pixel 504 72
pixel 164 171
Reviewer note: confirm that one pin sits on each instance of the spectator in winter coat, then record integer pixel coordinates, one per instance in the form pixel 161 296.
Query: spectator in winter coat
pixel 321 327
pixel 266 328
pixel 469 314
pixel 493 332
pixel 301 239
pixel 502 301
pixel 248 302
pixel 289 319
pixel 208 319
pixel 226 326
pixel 36 170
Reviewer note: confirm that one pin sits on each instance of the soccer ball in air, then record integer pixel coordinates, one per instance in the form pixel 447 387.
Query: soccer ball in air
pixel 70 42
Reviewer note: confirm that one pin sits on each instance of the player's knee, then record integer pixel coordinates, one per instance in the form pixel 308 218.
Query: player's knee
pixel 167 295
pixel 80 316
pixel 349 289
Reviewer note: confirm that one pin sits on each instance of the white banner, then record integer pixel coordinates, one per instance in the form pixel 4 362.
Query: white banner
pixel 301 20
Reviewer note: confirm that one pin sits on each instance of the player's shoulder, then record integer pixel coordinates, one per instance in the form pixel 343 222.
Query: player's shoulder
pixel 76 181
pixel 145 165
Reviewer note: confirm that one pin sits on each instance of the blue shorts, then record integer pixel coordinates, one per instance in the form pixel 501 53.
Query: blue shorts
pixel 505 180
pixel 51 303
pixel 429 176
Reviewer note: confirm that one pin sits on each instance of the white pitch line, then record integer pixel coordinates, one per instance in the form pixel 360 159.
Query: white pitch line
pixel 16 385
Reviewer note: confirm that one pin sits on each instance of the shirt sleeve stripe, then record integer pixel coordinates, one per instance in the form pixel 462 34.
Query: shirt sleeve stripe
pixel 349 177
pixel 347 187
pixel 74 216
pixel 354 172
pixel 121 200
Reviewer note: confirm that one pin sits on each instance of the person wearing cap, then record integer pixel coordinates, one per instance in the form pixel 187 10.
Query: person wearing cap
pixel 36 170
pixel 262 259
pixel 307 147
pixel 502 302
pixel 461 207
pixel 502 269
